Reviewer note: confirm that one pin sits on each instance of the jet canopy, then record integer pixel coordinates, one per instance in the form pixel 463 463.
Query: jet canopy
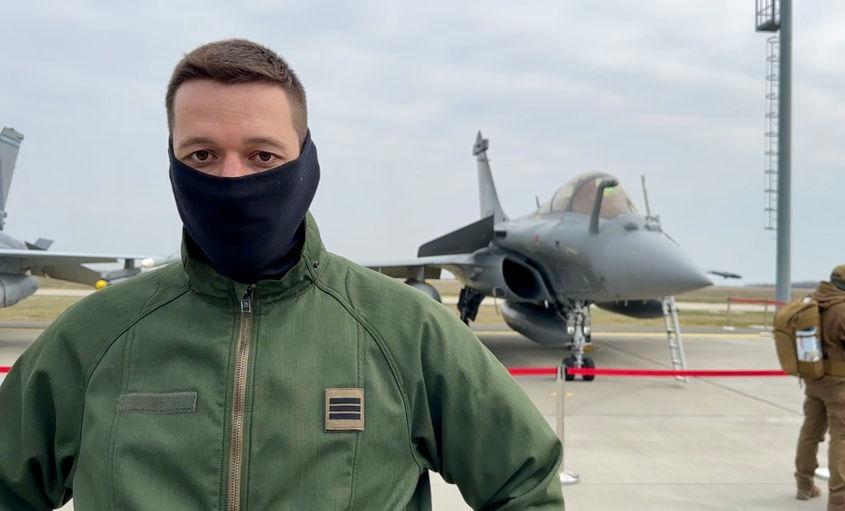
pixel 579 195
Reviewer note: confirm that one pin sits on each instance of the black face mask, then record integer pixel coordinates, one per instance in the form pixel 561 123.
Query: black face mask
pixel 251 227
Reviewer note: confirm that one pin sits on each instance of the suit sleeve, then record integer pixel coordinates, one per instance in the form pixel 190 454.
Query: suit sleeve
pixel 40 414
pixel 478 428
pixel 840 323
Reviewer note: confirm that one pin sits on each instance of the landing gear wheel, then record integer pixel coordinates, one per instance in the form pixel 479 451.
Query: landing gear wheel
pixel 569 363
pixel 589 364
pixel 468 302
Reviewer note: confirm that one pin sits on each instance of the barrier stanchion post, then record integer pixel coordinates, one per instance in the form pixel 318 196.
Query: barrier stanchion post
pixel 765 317
pixel 728 325
pixel 566 478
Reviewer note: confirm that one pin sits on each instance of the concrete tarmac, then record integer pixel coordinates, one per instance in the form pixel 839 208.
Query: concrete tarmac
pixel 650 444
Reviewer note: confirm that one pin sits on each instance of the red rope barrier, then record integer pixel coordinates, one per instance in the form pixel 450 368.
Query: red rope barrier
pixel 705 373
pixel 584 371
pixel 532 371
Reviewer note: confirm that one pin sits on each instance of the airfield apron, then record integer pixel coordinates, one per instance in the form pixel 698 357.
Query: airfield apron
pixel 333 387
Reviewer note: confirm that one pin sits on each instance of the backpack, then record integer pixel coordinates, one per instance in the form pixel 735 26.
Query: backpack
pixel 796 329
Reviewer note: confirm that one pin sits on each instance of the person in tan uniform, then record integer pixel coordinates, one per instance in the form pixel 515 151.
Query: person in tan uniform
pixel 824 405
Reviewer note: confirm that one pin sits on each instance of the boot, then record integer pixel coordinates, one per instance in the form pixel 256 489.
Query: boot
pixel 809 493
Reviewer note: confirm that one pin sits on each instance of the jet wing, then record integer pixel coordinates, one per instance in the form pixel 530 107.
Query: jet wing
pixel 68 265
pixel 428 267
pixel 44 257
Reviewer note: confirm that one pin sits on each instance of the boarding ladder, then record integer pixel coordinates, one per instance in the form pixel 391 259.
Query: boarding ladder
pixel 673 336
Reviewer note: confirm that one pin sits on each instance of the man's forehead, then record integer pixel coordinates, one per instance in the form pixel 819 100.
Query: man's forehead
pixel 207 86
pixel 253 101
pixel 206 111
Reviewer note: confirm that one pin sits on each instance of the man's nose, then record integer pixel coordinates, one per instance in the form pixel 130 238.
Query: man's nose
pixel 233 166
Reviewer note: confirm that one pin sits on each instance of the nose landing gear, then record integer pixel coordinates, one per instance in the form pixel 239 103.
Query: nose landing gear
pixel 578 328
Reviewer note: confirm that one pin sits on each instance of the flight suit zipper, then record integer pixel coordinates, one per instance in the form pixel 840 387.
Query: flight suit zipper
pixel 236 431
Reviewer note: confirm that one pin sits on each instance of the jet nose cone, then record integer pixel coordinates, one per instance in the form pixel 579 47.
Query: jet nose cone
pixel 679 275
pixel 648 264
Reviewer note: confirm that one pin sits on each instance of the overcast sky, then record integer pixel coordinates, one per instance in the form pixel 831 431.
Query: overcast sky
pixel 397 91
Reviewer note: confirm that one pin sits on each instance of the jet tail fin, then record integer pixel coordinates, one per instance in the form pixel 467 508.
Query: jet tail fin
pixel 488 197
pixel 10 143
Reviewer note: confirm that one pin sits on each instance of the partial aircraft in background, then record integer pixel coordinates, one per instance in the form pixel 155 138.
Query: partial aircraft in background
pixel 587 244
pixel 19 260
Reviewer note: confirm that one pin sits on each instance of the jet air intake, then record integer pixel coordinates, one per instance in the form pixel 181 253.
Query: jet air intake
pixel 506 276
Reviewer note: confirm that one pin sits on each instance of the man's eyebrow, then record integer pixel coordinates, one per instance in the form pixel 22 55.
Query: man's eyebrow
pixel 190 141
pixel 194 141
pixel 266 141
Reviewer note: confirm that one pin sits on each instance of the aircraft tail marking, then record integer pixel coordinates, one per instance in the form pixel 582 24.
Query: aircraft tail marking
pixel 10 143
pixel 486 187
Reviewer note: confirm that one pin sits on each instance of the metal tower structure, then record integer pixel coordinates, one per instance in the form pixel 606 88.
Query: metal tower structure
pixel 776 16
pixel 770 134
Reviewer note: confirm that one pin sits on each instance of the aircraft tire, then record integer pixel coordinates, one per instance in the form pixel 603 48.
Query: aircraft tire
pixel 589 364
pixel 567 363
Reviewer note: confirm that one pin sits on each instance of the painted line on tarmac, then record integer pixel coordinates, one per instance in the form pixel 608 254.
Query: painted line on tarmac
pixel 714 335
pixel 23 325
pixel 645 335
pixel 64 292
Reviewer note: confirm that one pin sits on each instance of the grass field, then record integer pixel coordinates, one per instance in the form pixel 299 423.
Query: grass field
pixel 490 315
pixel 48 283
pixel 714 294
pixel 47 308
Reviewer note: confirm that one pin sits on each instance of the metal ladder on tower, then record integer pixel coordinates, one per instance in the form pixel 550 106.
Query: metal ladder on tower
pixel 673 336
pixel 770 169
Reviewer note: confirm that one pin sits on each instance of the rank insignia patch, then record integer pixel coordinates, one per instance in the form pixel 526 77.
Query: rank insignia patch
pixel 344 409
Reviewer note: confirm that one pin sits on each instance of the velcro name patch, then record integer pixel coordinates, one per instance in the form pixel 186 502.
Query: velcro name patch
pixel 344 410
pixel 157 402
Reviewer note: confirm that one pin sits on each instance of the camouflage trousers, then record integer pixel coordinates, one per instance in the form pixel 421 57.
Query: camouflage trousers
pixel 824 410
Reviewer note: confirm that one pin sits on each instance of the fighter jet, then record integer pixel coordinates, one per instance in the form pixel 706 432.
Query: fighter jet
pixel 587 244
pixel 20 260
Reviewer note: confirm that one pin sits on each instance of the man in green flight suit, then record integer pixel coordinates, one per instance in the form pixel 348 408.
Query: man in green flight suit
pixel 263 372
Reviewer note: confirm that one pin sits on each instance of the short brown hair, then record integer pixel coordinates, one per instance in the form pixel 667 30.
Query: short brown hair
pixel 239 61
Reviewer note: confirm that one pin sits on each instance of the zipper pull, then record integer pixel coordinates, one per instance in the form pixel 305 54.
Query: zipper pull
pixel 246 301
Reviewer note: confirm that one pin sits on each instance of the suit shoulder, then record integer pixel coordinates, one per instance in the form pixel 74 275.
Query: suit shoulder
pixel 382 300
pixel 75 341
pixel 372 289
pixel 117 304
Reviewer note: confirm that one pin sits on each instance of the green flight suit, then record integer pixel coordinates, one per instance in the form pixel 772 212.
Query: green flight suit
pixel 333 387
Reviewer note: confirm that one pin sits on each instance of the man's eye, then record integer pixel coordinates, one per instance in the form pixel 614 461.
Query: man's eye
pixel 202 155
pixel 265 157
